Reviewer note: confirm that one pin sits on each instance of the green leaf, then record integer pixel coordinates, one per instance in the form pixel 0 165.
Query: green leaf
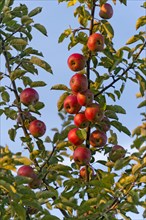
pixel 61 100
pixel 38 84
pixel 17 74
pixel 133 39
pixel 140 22
pixel 18 41
pixel 60 87
pixel 41 63
pixel 108 28
pixel 26 20
pixel 116 108
pixel 120 127
pixel 41 28
pixel 142 104
pixel 19 210
pixel 5 96
pixel 35 11
pixel 12 134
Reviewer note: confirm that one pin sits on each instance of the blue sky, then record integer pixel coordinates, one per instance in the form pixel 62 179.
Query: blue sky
pixel 56 18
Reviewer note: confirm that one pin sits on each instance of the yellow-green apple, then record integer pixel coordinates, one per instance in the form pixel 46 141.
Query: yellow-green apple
pixel 74 138
pixel 82 155
pixel 37 128
pixel 95 42
pixel 85 98
pixel 94 113
pixel 29 96
pixel 76 62
pixel 84 171
pixel 105 124
pixel 78 83
pixel 27 171
pixel 98 138
pixel 80 120
pixel 106 11
pixel 117 152
pixel 71 104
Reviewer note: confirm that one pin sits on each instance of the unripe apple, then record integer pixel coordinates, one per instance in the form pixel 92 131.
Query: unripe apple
pixel 85 98
pixel 82 155
pixel 94 113
pixel 37 128
pixel 117 152
pixel 74 138
pixel 106 11
pixel 29 96
pixel 86 170
pixel 80 120
pixel 78 83
pixel 71 104
pixel 105 124
pixel 95 42
pixel 27 171
pixel 76 62
pixel 98 138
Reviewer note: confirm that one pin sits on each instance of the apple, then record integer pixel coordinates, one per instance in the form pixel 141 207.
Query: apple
pixel 94 113
pixel 71 104
pixel 95 42
pixel 85 98
pixel 105 124
pixel 98 138
pixel 80 120
pixel 74 138
pixel 37 128
pixel 29 96
pixel 106 11
pixel 76 62
pixel 35 183
pixel 82 155
pixel 117 152
pixel 27 171
pixel 78 83
pixel 84 170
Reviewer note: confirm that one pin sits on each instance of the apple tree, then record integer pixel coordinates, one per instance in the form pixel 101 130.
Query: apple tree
pixel 41 184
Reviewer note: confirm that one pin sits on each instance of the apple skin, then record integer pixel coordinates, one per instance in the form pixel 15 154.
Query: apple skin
pixel 37 128
pixel 82 155
pixel 95 42
pixel 73 137
pixel 76 62
pixel 27 171
pixel 35 183
pixel 105 124
pixel 71 104
pixel 106 11
pixel 83 172
pixel 117 152
pixel 80 120
pixel 97 138
pixel 78 83
pixel 85 98
pixel 29 96
pixel 94 113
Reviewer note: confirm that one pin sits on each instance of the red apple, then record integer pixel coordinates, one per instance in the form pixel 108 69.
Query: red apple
pixel 29 96
pixel 98 138
pixel 85 98
pixel 105 124
pixel 95 42
pixel 94 113
pixel 84 170
pixel 106 11
pixel 27 171
pixel 80 120
pixel 37 128
pixel 76 62
pixel 117 152
pixel 74 138
pixel 71 104
pixel 82 155
pixel 78 83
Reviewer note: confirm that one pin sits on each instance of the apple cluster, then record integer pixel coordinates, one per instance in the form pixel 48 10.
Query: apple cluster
pixel 37 128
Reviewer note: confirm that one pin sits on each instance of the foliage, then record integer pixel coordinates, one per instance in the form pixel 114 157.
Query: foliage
pixel 120 186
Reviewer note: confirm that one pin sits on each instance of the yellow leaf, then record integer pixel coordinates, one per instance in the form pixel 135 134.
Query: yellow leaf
pixel 22 160
pixel 71 3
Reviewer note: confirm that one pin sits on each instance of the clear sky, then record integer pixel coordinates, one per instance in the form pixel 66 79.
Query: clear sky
pixel 56 18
